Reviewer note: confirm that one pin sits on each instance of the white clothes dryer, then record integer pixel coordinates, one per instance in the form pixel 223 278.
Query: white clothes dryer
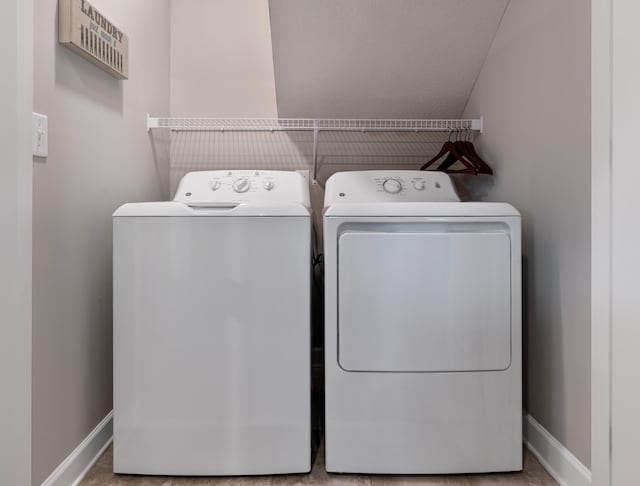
pixel 212 328
pixel 423 369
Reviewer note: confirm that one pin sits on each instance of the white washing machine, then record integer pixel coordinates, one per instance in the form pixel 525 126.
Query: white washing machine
pixel 212 328
pixel 422 327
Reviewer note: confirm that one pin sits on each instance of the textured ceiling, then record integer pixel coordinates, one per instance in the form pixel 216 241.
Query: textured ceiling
pixel 379 58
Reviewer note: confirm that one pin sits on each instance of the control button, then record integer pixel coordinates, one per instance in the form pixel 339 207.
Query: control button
pixel 214 185
pixel 418 185
pixel 241 185
pixel 268 185
pixel 392 186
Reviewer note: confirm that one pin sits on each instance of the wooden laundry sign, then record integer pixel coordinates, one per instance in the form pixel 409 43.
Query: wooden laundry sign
pixel 87 32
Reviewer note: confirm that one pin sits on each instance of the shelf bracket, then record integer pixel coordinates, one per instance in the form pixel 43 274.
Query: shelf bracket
pixel 152 122
pixel 478 124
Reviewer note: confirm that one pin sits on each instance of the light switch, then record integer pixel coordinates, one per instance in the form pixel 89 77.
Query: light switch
pixel 40 135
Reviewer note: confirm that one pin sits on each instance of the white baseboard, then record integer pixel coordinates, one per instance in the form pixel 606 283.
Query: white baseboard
pixel 75 467
pixel 565 468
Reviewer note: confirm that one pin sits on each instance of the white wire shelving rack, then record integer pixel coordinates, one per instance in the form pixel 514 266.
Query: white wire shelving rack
pixel 314 125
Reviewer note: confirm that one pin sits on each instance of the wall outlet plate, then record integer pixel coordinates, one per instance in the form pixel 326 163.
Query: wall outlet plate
pixel 40 135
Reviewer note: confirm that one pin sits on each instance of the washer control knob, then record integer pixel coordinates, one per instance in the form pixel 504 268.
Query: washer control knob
pixel 392 186
pixel 241 185
pixel 214 185
pixel 418 185
pixel 268 185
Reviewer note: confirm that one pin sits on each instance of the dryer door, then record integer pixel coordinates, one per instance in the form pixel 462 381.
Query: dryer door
pixel 424 301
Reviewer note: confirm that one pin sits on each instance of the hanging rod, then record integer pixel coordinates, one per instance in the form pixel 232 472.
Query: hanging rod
pixel 310 124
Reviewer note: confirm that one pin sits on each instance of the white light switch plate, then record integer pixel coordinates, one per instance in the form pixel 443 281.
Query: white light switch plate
pixel 40 135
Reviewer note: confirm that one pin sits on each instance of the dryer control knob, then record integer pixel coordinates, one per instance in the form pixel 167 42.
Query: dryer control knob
pixel 392 186
pixel 418 185
pixel 268 185
pixel 214 185
pixel 241 185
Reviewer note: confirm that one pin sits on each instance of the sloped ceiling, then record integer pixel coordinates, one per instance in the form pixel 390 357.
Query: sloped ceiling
pixel 379 58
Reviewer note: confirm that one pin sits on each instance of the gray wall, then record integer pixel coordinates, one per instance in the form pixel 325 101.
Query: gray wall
pixel 100 156
pixel 221 59
pixel 16 91
pixel 379 58
pixel 534 92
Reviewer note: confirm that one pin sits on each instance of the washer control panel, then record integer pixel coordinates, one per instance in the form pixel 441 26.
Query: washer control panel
pixel 390 186
pixel 242 185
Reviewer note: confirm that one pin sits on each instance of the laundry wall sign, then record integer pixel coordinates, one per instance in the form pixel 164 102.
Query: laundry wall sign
pixel 87 32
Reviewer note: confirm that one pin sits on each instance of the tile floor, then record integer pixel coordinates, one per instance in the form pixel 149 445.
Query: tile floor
pixel 533 475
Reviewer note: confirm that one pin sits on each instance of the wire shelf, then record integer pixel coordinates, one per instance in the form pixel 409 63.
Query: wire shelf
pixel 309 124
pixel 314 126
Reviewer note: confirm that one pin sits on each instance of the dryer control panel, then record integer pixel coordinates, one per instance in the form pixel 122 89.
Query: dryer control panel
pixel 219 186
pixel 389 186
